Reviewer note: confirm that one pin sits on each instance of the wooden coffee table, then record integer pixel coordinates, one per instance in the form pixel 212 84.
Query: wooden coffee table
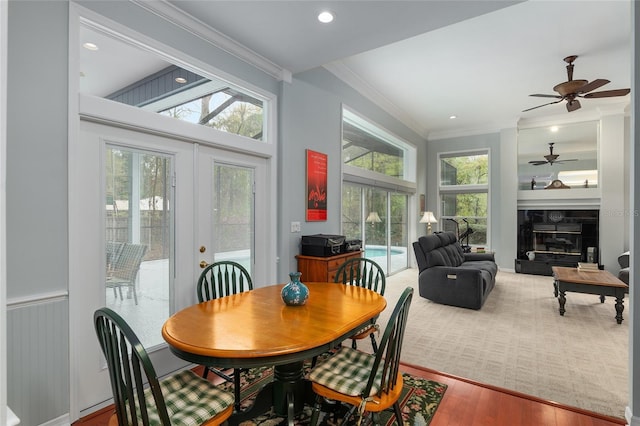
pixel 598 282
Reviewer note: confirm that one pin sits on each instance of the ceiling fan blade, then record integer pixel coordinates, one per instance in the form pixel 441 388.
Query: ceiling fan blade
pixel 537 162
pixel 564 161
pixel 546 96
pixel 608 93
pixel 550 103
pixel 573 105
pixel 595 84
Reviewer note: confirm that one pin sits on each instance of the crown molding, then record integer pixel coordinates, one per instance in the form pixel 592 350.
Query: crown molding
pixel 618 108
pixel 471 131
pixel 346 74
pixel 175 16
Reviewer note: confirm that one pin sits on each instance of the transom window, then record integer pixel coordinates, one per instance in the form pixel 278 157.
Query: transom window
pixel 118 70
pixel 368 147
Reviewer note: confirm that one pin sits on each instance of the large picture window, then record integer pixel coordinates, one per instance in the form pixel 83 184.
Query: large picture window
pixel 378 182
pixel 464 196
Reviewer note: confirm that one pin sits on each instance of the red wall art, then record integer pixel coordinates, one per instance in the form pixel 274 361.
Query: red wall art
pixel 316 186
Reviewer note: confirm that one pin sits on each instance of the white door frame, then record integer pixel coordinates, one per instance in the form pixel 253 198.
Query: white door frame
pixel 3 234
pixel 86 233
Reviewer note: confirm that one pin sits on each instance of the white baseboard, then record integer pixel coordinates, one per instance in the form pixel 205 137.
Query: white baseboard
pixel 629 417
pixel 60 421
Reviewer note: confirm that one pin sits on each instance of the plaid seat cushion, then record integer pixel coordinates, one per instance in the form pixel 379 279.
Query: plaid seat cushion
pixel 190 399
pixel 347 372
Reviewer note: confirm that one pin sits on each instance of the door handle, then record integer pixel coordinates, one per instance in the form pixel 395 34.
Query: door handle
pixel 203 264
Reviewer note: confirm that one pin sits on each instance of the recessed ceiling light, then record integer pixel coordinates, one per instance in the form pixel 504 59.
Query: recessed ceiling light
pixel 453 117
pixel 181 80
pixel 90 46
pixel 326 16
pixel 554 129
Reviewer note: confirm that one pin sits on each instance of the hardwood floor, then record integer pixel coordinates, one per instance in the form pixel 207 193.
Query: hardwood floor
pixel 467 403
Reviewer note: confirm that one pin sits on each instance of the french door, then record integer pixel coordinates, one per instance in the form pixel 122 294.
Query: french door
pixel 164 206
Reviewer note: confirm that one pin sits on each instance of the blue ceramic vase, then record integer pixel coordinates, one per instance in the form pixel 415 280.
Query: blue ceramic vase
pixel 295 293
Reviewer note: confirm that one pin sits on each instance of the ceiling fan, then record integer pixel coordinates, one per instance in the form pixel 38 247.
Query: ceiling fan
pixel 571 89
pixel 550 158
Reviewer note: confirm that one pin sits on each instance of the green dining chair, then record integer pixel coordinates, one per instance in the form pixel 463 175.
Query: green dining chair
pixel 223 278
pixel 368 383
pixel 363 272
pixel 183 398
pixel 219 279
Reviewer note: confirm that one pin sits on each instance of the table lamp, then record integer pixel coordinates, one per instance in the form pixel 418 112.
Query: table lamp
pixel 428 218
pixel 373 218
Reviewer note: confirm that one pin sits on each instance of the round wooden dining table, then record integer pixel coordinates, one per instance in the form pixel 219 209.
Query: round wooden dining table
pixel 256 328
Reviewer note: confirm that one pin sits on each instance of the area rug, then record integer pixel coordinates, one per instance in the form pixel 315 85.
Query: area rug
pixel 419 400
pixel 519 341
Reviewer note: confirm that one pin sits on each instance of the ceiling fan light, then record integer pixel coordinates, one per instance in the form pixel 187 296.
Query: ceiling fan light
pixel 573 105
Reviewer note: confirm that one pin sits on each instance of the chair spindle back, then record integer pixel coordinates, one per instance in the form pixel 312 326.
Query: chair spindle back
pixel 221 279
pixel 129 365
pixel 362 272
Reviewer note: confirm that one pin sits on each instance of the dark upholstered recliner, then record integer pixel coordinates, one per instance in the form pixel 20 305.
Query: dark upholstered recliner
pixel 623 261
pixel 451 277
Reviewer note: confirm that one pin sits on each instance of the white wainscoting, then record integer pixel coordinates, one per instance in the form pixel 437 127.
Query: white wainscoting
pixel 38 356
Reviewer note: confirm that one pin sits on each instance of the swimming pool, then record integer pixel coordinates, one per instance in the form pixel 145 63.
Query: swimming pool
pixel 380 252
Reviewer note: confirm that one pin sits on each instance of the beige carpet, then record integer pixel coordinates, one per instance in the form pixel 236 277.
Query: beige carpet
pixel 519 341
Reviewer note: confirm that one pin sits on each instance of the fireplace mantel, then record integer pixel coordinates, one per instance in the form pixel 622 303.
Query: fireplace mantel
pixel 574 198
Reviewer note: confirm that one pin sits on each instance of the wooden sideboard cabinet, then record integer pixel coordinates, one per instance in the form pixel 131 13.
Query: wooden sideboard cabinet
pixel 322 269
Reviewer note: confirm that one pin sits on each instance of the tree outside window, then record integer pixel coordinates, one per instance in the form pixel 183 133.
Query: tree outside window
pixel 464 195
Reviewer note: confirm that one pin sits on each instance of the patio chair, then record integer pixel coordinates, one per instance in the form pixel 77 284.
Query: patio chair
pixel 369 383
pixel 124 270
pixel 220 279
pixel 183 398
pixel 113 250
pixel 363 272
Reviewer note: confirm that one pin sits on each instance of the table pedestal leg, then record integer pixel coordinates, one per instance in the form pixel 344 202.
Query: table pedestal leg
pixel 262 404
pixel 287 395
pixel 562 300
pixel 619 308
pixel 289 390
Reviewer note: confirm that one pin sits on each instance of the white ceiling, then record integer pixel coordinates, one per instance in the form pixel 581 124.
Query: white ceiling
pixel 426 60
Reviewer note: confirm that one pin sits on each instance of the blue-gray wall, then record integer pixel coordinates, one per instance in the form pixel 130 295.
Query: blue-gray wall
pixel 310 118
pixel 37 259
pixel 633 414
